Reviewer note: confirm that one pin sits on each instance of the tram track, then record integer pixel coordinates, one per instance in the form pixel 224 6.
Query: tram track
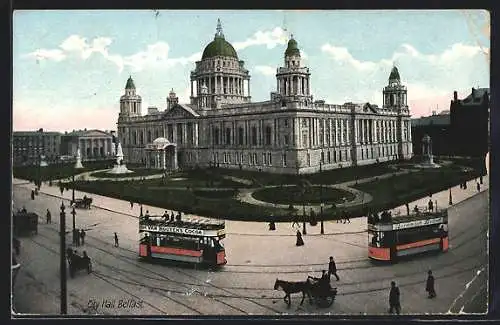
pixel 186 285
pixel 368 266
pixel 106 278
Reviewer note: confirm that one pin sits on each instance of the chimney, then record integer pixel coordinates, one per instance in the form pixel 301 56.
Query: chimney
pixel 455 96
pixel 472 92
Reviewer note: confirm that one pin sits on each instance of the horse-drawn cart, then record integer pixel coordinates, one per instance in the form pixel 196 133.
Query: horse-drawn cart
pixel 77 262
pixel 84 203
pixel 25 223
pixel 322 293
pixel 318 290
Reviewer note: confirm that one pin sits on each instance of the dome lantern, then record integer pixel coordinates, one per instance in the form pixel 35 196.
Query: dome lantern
pixel 292 48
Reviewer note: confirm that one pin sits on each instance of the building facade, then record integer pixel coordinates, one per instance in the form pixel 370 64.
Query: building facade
pixel 93 144
pixel 438 127
pixel 28 146
pixel 290 133
pixel 470 123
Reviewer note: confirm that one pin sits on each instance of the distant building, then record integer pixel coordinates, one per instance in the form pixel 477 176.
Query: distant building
pixel 462 131
pixel 94 144
pixel 28 146
pixel 438 127
pixel 470 123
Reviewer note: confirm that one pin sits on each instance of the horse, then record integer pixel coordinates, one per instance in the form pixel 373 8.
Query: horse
pixel 293 287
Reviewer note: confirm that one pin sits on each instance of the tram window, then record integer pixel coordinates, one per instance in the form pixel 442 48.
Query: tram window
pixel 417 234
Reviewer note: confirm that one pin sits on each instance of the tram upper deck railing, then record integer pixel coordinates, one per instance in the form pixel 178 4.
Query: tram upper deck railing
pixel 422 214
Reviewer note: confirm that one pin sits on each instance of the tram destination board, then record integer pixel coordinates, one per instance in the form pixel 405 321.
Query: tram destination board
pixel 183 231
pixel 417 223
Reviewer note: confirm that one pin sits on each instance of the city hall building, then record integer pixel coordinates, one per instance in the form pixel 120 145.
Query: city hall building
pixel 289 133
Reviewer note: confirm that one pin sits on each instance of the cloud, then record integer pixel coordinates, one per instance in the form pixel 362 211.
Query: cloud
pixel 153 56
pixel 266 70
pixel 44 54
pixel 430 78
pixel 269 38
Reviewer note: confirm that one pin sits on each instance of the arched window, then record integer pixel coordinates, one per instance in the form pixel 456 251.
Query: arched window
pixel 216 136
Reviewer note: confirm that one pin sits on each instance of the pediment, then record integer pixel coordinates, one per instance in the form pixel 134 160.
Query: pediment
pixel 178 112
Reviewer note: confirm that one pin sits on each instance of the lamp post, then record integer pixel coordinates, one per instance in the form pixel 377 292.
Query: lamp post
pixel 73 195
pixel 73 212
pixel 62 232
pixel 451 200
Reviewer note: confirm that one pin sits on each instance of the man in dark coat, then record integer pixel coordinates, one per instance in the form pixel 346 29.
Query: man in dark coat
pixel 49 217
pixel 429 286
pixel 394 302
pixel 332 268
pixel 82 236
pixel 299 241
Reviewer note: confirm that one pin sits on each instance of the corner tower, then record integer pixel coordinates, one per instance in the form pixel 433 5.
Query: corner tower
pixel 394 93
pixel 293 80
pixel 395 100
pixel 130 102
pixel 224 75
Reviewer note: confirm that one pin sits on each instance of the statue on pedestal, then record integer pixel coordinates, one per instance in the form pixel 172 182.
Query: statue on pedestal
pixel 78 163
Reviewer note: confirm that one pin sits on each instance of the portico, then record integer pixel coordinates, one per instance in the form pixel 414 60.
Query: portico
pixel 161 154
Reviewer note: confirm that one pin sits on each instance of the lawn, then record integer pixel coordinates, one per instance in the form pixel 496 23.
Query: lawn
pixel 137 172
pixel 294 195
pixel 57 171
pixel 189 192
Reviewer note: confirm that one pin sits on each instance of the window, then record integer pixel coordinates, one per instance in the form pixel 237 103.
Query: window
pixel 216 136
pixel 308 159
pixel 141 138
pixel 264 160
pixel 149 136
pixel 304 122
pixel 229 157
pixel 268 136
pixel 269 159
pixel 241 158
pixel 250 160
pixel 284 159
pixel 340 155
pixel 228 136
pixel 255 159
pixel 305 143
pixel 240 136
pixel 285 122
pixel 286 140
pixel 328 157
pixel 322 157
pixel 254 136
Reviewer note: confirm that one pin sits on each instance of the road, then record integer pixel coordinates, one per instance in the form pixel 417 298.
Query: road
pixel 123 285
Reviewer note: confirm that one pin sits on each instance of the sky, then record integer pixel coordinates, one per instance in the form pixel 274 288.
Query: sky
pixel 70 67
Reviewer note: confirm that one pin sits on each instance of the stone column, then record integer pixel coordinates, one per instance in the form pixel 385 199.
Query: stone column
pixel 175 158
pixel 336 131
pixel 184 133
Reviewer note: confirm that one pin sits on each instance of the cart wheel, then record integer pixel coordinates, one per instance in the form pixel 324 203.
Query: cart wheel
pixel 328 301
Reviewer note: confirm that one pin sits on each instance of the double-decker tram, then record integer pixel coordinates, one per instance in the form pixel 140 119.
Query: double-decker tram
pixel 391 237
pixel 192 240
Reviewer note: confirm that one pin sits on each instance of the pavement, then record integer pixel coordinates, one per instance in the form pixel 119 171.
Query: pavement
pixel 123 285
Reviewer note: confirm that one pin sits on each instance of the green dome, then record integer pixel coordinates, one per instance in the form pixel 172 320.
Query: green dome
pixel 292 48
pixel 394 74
pixel 130 83
pixel 219 47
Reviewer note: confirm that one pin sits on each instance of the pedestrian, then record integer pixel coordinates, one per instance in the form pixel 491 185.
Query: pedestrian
pixel 478 187
pixel 74 236
pixel 431 205
pixel 300 241
pixel 272 225
pixel 131 205
pixel 295 220
pixel 347 219
pixel 429 286
pixel 332 268
pixel 49 217
pixel 32 194
pixel 394 301
pixel 116 240
pixel 172 216
pixel 481 179
pixel 82 236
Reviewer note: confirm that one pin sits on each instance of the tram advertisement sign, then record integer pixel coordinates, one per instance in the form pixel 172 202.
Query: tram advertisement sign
pixel 177 230
pixel 416 223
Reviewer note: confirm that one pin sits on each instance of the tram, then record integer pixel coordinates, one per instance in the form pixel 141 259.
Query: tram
pixel 392 237
pixel 193 240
